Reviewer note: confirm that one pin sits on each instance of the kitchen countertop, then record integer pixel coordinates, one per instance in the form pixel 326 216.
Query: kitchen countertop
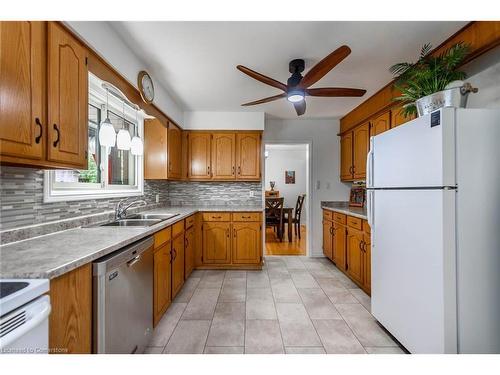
pixel 343 208
pixel 52 255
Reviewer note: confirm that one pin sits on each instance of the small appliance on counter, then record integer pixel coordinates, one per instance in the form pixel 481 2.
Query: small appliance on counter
pixel 24 316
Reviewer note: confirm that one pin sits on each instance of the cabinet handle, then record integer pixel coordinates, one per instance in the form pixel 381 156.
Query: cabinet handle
pixel 39 137
pixel 208 170
pixel 170 166
pixel 58 135
pixel 227 233
pixel 175 254
pixel 331 230
pixel 171 256
pixel 246 217
pixel 216 217
pixel 233 170
pixel 239 170
pixel 186 242
pixel 234 233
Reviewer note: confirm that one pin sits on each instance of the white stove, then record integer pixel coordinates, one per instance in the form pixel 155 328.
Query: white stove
pixel 24 313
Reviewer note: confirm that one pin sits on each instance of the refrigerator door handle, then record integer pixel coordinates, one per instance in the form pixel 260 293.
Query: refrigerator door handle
pixel 369 165
pixel 369 208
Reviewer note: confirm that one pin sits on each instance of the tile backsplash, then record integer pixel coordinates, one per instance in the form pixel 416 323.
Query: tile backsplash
pixel 21 194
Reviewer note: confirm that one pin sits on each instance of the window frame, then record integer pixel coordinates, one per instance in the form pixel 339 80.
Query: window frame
pixel 67 191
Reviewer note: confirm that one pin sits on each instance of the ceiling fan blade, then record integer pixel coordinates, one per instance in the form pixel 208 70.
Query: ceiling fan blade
pixel 335 91
pixel 262 78
pixel 324 66
pixel 300 107
pixel 265 100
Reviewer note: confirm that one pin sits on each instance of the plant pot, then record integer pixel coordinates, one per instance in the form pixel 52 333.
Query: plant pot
pixel 452 97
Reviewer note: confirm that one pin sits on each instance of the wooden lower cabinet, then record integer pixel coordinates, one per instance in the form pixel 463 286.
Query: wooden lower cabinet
pixel 70 321
pixel 355 258
pixel 247 243
pixel 189 251
pixel 177 264
pixel 162 291
pixel 346 241
pixel 339 245
pixel 216 242
pixel 328 239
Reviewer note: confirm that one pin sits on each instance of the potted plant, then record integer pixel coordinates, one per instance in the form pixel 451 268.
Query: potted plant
pixel 433 81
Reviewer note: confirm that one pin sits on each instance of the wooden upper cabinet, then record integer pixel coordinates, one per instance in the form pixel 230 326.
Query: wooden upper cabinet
pixel 22 71
pixel 155 146
pixel 199 156
pixel 174 151
pixel 67 85
pixel 247 243
pixel 397 117
pixel 361 144
pixel 216 243
pixel 381 124
pixel 346 164
pixel 355 254
pixel 224 156
pixel 248 155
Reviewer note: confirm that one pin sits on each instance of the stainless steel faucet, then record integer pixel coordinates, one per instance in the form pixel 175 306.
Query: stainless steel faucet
pixel 121 211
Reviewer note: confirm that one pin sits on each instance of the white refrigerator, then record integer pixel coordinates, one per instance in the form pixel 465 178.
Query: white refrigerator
pixel 433 202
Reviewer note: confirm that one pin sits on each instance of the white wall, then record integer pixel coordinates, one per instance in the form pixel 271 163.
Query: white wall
pixel 108 44
pixel 281 160
pixel 325 155
pixel 484 73
pixel 224 120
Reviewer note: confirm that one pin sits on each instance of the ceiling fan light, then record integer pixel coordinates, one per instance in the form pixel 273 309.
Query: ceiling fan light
pixel 295 96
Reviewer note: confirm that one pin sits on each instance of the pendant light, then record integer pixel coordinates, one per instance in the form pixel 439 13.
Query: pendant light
pixel 123 137
pixel 107 134
pixel 136 146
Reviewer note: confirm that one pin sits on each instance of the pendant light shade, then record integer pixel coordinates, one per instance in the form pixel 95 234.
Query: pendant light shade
pixel 123 140
pixel 136 146
pixel 107 134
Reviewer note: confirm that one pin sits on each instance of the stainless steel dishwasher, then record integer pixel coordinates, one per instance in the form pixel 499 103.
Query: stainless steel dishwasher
pixel 123 299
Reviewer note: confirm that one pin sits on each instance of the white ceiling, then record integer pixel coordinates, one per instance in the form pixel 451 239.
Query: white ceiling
pixel 196 61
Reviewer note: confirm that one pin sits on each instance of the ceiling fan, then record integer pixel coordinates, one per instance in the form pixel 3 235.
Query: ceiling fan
pixel 297 87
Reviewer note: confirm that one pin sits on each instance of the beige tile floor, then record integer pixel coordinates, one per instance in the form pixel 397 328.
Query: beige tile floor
pixel 295 305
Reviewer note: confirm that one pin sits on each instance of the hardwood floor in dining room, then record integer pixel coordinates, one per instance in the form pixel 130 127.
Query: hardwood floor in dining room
pixel 275 247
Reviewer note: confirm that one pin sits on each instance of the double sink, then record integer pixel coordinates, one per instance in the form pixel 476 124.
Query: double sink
pixel 139 220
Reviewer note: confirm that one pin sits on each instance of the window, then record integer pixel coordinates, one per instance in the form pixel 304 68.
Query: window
pixel 111 172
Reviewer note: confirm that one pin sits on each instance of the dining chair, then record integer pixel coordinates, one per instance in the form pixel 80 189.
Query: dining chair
pixel 274 215
pixel 297 214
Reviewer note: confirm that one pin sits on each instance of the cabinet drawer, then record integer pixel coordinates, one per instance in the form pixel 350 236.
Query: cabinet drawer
pixel 177 228
pixel 216 216
pixel 327 215
pixel 189 222
pixel 339 218
pixel 366 227
pixel 163 237
pixel 354 222
pixel 246 216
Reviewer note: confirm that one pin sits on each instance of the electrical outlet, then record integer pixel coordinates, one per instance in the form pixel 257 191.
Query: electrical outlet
pixel 250 194
pixel 157 197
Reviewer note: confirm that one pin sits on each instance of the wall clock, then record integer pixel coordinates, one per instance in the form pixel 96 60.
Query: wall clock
pixel 146 87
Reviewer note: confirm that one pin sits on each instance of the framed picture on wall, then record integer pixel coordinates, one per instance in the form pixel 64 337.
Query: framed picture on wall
pixel 357 198
pixel 289 177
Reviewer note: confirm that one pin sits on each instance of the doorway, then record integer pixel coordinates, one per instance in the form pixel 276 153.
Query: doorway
pixel 287 176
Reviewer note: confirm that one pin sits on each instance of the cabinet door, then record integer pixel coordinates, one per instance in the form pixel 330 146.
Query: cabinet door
pixel 70 321
pixel 174 151
pixel 346 157
pixel 223 156
pixel 397 117
pixel 188 252
pixel 22 121
pixel 361 146
pixel 327 239
pixel 216 243
pixel 67 98
pixel 155 150
pixel 247 243
pixel 162 292
pixel 177 264
pixel 199 156
pixel 367 263
pixel 248 156
pixel 381 124
pixel 355 255
pixel 339 245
